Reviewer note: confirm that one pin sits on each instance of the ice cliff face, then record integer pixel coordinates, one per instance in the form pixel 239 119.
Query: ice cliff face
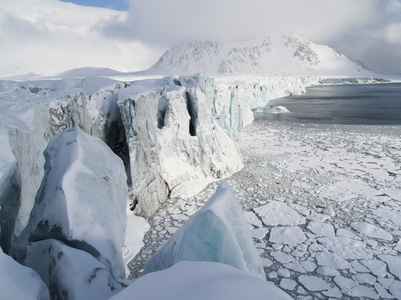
pixel 30 114
pixel 274 56
pixel 175 135
pixel 184 132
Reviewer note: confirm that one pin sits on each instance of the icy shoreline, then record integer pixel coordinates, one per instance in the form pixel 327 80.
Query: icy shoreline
pixel 187 130
pixel 343 184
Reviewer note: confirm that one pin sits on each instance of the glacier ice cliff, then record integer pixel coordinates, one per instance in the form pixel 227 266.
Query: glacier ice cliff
pixel 30 114
pixel 184 132
pixel 175 134
pixel 79 211
pixel 216 233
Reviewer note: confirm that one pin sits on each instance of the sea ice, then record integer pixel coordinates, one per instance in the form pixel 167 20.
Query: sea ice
pixel 346 247
pixel 344 283
pixel 361 291
pixel 217 232
pixel 329 259
pixel 377 267
pixel 327 271
pixel 313 283
pixel 282 257
pixel 333 293
pixel 372 231
pixel 387 214
pixel 252 219
pixel 288 235
pixel 278 213
pixel 364 278
pixel 287 284
pixel 18 282
pixel 395 289
pixel 321 229
pixel 393 263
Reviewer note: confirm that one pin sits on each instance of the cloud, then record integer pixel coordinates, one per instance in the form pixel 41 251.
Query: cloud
pixel 169 21
pixel 333 22
pixel 48 36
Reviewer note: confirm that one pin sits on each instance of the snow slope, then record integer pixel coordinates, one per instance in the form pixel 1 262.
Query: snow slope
pixel 19 282
pixel 199 281
pixel 274 56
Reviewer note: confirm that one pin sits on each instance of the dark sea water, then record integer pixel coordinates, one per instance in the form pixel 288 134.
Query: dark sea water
pixel 360 104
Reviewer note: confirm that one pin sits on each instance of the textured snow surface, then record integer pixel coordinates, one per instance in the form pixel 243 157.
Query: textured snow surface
pixel 70 272
pixel 76 229
pixel 81 200
pixel 216 233
pixel 335 245
pixel 19 282
pixel 200 280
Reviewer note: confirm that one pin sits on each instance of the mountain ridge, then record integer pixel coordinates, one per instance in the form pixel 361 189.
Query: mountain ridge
pixel 282 56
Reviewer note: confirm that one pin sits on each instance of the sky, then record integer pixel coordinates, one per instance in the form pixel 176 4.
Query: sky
pixel 49 36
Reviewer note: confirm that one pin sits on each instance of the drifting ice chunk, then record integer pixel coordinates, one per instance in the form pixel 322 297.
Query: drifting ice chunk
pixel 291 235
pixel 313 283
pixel 393 263
pixel 217 233
pixel 198 281
pixel 278 213
pixel 372 231
pixel 276 110
pixel 82 200
pixel 19 282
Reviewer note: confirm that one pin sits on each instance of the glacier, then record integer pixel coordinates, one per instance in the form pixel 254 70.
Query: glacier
pixel 184 132
pixel 174 135
pixel 216 233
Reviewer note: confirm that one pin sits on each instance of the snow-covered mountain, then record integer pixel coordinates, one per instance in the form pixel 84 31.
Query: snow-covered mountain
pixel 282 56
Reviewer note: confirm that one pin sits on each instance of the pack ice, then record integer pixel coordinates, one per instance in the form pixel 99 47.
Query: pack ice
pixel 75 234
pixel 216 233
pixel 211 256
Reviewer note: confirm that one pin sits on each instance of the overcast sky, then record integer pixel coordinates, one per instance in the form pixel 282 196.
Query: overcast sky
pixel 47 36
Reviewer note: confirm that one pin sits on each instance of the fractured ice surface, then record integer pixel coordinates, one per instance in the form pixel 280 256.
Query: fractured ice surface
pixel 295 165
pixel 216 233
pixel 81 203
pixel 372 231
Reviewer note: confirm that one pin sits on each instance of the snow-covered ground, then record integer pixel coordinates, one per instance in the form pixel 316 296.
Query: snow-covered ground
pixel 323 203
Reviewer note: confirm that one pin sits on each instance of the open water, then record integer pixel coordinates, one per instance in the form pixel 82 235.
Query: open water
pixel 364 104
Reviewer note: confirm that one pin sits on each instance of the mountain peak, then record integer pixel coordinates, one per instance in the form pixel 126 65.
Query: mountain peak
pixel 283 56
